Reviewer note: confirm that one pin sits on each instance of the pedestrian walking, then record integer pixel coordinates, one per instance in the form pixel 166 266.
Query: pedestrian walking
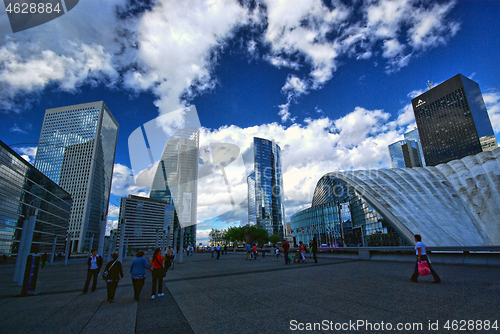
pixel 94 264
pixel 314 249
pixel 263 251
pixel 218 251
pixel 159 272
pixel 302 250
pixel 138 273
pixel 286 247
pixel 169 264
pixel 422 256
pixel 111 275
pixel 249 251
pixel 212 249
pixel 254 251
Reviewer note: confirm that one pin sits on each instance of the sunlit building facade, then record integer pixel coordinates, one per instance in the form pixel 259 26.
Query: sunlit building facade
pixel 25 192
pixel 452 121
pixel 77 151
pixel 268 182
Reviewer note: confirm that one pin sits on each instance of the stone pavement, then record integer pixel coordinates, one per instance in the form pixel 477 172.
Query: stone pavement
pixel 231 295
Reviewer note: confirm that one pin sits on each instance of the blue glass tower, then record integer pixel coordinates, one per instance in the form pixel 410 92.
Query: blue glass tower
pixel 268 182
pixel 252 219
pixel 413 135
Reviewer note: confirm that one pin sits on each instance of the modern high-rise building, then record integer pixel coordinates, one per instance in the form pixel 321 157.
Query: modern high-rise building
pixel 413 135
pixel 176 182
pixel 452 121
pixel 252 215
pixel 268 182
pixel 77 151
pixel 144 217
pixel 405 154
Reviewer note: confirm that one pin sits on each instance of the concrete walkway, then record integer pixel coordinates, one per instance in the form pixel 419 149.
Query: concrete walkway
pixel 231 295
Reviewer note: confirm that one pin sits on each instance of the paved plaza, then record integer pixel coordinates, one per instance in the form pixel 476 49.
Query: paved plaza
pixel 231 295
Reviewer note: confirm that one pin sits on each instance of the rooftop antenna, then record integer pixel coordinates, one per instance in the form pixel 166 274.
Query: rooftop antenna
pixel 429 84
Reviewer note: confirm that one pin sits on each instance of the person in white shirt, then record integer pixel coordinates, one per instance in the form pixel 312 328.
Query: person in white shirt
pixel 422 256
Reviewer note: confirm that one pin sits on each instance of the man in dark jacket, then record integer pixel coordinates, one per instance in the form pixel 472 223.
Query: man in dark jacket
pixel 94 264
pixel 285 247
pixel 314 248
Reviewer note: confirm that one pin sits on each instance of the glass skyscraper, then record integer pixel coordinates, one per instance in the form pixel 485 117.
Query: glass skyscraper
pixel 452 121
pixel 252 218
pixel 176 182
pixel 268 182
pixel 77 151
pixel 413 135
pixel 405 154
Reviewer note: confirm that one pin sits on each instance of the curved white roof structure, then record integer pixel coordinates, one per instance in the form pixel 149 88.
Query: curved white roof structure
pixel 452 204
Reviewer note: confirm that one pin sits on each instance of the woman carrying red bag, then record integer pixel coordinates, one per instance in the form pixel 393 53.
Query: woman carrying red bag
pixel 422 256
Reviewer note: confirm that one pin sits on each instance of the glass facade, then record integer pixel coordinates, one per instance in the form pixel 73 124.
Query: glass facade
pixel 269 205
pixel 24 192
pixel 413 135
pixel 451 120
pixel 176 181
pixel 252 215
pixel 77 151
pixel 405 154
pixel 340 216
pixel 143 217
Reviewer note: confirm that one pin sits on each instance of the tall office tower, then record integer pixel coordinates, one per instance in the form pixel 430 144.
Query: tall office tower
pixel 268 180
pixel 77 151
pixel 452 121
pixel 413 135
pixel 176 182
pixel 143 217
pixel 405 154
pixel 252 219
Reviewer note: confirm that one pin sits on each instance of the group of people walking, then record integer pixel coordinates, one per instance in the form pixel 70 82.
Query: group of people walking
pixel 113 272
pixel 251 252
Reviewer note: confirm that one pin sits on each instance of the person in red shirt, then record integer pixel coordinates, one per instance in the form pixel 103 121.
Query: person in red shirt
pixel 156 264
pixel 254 251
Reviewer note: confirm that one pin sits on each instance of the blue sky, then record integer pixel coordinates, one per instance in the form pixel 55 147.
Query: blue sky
pixel 330 81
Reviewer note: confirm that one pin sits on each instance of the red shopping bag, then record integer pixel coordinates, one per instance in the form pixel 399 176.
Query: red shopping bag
pixel 423 268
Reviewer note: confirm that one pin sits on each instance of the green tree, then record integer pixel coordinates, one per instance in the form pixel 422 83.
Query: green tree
pixel 216 236
pixel 235 234
pixel 260 236
pixel 275 238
